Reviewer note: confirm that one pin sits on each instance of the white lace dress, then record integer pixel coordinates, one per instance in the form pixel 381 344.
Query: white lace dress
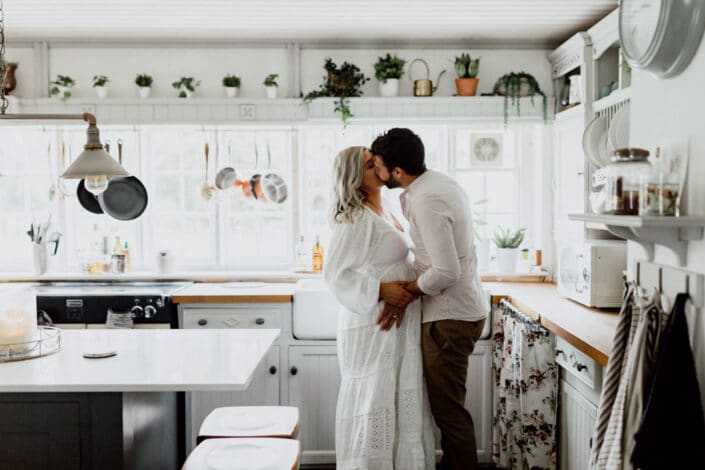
pixel 383 420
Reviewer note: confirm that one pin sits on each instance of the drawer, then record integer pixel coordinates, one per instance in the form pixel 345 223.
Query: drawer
pixel 578 364
pixel 236 319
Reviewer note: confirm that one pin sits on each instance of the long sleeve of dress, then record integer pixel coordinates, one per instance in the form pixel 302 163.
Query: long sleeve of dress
pixel 354 285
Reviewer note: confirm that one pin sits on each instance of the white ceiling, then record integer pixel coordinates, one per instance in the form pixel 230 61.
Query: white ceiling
pixel 517 22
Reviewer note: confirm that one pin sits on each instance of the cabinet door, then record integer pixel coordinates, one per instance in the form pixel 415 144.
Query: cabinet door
pixel 479 397
pixel 263 390
pixel 577 422
pixel 313 383
pixel 570 174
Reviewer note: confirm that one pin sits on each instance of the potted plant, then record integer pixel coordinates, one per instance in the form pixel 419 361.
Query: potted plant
pixel 232 85
pixel 271 85
pixel 388 70
pixel 61 87
pixel 100 83
pixel 517 85
pixel 186 86
pixel 342 83
pixel 144 84
pixel 467 68
pixel 507 243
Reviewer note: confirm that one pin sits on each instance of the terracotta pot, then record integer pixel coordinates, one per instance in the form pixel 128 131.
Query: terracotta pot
pixel 466 86
pixel 10 80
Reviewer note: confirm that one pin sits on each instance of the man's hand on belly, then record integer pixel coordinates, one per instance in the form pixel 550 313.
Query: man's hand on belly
pixel 395 294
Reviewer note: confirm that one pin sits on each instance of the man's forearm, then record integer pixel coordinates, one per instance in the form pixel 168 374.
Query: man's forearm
pixel 413 287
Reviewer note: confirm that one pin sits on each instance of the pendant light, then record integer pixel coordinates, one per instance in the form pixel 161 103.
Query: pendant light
pixel 94 164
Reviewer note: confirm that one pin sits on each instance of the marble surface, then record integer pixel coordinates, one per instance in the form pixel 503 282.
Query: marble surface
pixel 146 360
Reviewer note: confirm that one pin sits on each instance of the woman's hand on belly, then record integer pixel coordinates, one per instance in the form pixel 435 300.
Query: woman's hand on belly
pixel 390 315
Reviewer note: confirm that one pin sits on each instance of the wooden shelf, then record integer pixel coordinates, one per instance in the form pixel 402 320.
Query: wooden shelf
pixel 673 233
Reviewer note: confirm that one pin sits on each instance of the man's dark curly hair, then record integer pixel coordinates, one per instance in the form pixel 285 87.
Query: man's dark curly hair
pixel 400 147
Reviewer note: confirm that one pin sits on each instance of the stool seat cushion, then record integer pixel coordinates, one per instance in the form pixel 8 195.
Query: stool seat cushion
pixel 251 421
pixel 245 454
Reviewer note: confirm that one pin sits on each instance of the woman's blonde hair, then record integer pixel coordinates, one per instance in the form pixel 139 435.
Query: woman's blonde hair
pixel 348 197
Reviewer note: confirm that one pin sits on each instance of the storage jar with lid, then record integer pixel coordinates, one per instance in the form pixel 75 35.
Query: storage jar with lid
pixel 626 175
pixel 662 189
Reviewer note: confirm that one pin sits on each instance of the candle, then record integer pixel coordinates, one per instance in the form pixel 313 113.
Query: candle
pixel 17 326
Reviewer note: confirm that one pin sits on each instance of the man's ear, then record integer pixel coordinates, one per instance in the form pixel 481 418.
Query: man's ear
pixel 398 172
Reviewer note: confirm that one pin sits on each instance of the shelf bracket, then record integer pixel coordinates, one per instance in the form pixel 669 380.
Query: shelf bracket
pixel 676 241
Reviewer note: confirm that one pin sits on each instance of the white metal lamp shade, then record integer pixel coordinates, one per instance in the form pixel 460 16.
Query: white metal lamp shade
pixel 94 160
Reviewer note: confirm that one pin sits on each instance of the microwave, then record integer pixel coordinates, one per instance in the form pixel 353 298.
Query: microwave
pixel 591 272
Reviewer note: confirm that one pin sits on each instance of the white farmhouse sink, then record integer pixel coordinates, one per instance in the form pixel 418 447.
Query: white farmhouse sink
pixel 315 311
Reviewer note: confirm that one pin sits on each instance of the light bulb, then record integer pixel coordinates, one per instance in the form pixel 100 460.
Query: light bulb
pixel 96 184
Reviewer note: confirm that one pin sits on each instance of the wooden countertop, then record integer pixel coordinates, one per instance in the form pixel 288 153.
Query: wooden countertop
pixel 235 292
pixel 591 330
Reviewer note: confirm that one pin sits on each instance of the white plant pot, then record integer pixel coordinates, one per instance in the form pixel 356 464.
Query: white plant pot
pixel 62 92
pixel 507 260
pixel 165 262
pixel 271 91
pixel 389 88
pixel 482 249
pixel 102 92
pixel 188 93
pixel 144 91
pixel 231 91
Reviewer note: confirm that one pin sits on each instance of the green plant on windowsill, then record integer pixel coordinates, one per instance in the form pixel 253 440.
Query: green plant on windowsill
pixel 505 238
pixel 342 83
pixel 61 86
pixel 186 86
pixel 516 85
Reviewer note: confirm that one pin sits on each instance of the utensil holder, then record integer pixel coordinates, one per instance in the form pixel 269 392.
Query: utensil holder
pixel 39 252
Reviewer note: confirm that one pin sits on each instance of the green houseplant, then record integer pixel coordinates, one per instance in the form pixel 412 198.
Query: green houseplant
pixel 232 85
pixel 467 69
pixel 144 84
pixel 388 70
pixel 271 85
pixel 507 243
pixel 342 82
pixel 516 85
pixel 186 86
pixel 100 83
pixel 61 87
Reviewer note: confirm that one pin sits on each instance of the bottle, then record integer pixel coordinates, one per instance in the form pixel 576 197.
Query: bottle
pixel 128 259
pixel 117 248
pixel 317 256
pixel 301 257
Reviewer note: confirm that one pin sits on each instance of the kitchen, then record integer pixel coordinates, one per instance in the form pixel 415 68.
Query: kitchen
pixel 188 102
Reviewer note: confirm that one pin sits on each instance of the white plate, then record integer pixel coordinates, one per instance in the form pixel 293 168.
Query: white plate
pixel 594 142
pixel 619 128
pixel 246 421
pixel 249 457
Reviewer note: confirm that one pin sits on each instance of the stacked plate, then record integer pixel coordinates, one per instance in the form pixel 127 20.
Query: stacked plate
pixel 618 134
pixel 601 137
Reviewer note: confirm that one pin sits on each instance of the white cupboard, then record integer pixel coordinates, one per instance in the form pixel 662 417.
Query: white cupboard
pixel 479 397
pixel 577 422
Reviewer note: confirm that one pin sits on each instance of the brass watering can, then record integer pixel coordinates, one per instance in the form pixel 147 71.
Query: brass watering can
pixel 424 86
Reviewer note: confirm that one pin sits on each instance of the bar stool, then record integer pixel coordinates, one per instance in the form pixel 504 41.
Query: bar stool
pixel 245 454
pixel 250 421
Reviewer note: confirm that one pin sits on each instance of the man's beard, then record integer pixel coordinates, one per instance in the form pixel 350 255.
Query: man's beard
pixel 392 182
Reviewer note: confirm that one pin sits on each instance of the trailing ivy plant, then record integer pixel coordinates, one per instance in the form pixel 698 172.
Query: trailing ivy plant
pixel 389 67
pixel 341 82
pixel 510 86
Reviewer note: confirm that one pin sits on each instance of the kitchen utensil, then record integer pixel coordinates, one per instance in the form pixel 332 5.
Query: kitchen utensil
pixel 52 188
pixel 125 198
pixel 424 86
pixel 274 188
pixel 256 187
pixel 594 142
pixel 206 191
pixel 245 187
pixel 619 128
pixel 54 238
pixel 225 178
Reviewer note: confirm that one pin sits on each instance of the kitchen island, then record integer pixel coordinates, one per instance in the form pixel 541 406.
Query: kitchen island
pixel 64 411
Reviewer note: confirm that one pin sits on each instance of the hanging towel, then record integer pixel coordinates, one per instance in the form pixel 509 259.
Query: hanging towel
pixel 672 431
pixel 615 367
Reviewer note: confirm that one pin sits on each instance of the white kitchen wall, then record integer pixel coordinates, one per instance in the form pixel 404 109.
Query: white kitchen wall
pixel 670 111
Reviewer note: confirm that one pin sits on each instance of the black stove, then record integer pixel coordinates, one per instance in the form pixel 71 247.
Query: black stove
pixel 73 304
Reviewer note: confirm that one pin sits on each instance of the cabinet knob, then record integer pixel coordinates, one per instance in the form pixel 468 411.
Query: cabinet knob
pixel 294 370
pixel 581 367
pixel 273 370
pixel 202 322
pixel 260 321
pixel 559 352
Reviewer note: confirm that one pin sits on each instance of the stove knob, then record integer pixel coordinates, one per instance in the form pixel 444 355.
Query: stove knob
pixel 149 311
pixel 137 312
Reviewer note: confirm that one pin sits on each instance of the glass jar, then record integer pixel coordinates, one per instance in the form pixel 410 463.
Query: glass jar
pixel 626 175
pixel 662 190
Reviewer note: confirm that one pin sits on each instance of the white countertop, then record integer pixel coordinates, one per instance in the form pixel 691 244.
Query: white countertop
pixel 234 292
pixel 198 276
pixel 147 360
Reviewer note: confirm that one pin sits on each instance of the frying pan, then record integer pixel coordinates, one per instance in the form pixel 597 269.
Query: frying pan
pixel 125 198
pixel 87 199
